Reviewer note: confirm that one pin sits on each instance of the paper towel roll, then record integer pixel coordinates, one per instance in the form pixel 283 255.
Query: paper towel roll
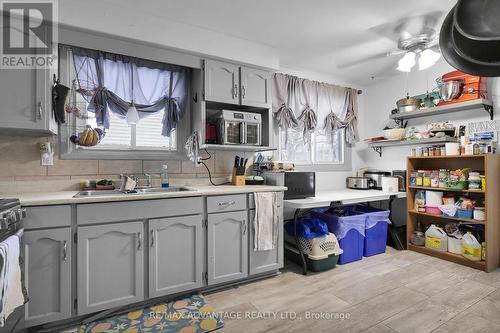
pixel 433 198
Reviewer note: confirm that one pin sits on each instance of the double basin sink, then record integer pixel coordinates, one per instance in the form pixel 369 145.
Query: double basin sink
pixel 93 193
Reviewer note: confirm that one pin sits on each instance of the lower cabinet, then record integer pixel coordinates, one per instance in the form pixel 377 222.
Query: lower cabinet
pixel 175 255
pixel 227 246
pixel 47 256
pixel 265 261
pixel 110 266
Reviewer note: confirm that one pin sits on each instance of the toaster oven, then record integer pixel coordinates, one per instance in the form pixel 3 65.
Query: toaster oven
pixel 239 128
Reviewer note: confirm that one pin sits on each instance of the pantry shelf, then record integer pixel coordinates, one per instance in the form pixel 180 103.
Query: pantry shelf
pixel 444 189
pixel 378 145
pixel 448 217
pixel 488 165
pixel 486 104
pixel 457 258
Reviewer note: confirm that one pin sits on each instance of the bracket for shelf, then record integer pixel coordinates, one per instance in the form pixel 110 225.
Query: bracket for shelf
pixel 378 150
pixel 489 109
pixel 399 122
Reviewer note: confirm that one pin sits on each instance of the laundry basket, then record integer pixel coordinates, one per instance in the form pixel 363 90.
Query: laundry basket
pixel 321 253
pixel 349 229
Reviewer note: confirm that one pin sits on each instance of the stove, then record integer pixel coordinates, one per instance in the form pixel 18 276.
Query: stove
pixel 11 213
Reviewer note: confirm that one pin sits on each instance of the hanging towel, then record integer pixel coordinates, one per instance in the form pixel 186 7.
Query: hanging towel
pixel 10 279
pixel 266 221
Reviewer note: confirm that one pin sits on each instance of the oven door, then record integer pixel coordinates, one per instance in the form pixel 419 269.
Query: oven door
pixel 233 132
pixel 252 134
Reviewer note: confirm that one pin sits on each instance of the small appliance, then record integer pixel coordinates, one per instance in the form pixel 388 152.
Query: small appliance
pixel 300 184
pixel 376 176
pixel 210 133
pixel 359 183
pixel 239 128
pixel 456 87
pixel 401 174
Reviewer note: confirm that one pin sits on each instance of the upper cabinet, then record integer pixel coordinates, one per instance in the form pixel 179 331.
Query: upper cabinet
pixel 239 85
pixel 26 96
pixel 255 87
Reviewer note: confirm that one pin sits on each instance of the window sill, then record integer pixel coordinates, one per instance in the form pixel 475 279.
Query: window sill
pixel 102 154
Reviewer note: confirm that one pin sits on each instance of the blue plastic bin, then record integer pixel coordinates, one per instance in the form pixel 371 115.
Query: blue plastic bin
pixel 348 229
pixel 376 225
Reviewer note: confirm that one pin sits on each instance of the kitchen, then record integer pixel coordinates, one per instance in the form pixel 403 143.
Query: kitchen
pixel 183 166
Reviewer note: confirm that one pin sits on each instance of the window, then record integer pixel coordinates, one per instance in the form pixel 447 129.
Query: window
pixel 153 87
pixel 321 149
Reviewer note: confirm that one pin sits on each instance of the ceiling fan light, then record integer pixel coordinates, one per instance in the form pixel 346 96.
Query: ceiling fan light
pixel 132 116
pixel 406 63
pixel 427 58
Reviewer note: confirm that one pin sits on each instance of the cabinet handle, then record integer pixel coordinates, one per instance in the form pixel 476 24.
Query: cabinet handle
pixel 235 90
pixel 226 203
pixel 65 251
pixel 244 227
pixel 152 238
pixel 139 240
pixel 243 92
pixel 40 111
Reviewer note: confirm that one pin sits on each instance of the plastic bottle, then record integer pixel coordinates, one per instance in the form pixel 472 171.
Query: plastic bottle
pixel 164 176
pixel 436 238
pixel 471 248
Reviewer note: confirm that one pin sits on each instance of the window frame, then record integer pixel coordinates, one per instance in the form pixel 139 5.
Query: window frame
pixel 70 152
pixel 344 165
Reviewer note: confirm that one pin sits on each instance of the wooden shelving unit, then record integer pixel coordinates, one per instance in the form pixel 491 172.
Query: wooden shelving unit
pixel 490 165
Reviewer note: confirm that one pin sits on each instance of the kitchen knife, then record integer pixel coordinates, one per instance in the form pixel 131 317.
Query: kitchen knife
pixel 245 163
pixel 236 161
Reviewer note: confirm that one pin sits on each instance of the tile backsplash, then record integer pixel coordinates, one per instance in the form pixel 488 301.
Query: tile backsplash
pixel 20 161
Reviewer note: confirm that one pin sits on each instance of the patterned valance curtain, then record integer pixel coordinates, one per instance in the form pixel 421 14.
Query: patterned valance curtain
pixel 111 82
pixel 310 105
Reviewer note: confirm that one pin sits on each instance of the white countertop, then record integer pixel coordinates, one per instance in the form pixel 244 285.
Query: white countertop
pixel 66 197
pixel 344 196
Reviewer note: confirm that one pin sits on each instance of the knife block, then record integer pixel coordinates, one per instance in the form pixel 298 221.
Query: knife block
pixel 238 179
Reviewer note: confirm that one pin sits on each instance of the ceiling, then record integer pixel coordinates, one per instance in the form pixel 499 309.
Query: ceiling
pixel 314 35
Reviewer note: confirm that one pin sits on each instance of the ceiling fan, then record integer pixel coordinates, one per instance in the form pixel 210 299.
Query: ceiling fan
pixel 417 39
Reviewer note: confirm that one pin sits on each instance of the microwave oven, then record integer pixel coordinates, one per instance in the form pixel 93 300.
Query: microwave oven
pixel 239 128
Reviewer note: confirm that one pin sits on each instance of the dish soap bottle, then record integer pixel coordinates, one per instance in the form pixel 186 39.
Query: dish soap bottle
pixel 164 176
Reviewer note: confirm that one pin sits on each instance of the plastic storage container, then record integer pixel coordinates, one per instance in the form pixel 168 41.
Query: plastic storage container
pixel 436 238
pixel 471 248
pixel 465 213
pixel 376 224
pixel 349 230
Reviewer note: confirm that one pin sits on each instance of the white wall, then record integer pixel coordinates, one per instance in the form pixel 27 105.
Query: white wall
pixel 380 99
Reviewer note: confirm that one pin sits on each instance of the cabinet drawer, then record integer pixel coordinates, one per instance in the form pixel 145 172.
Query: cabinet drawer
pixel 251 200
pixel 226 203
pixel 47 217
pixel 137 210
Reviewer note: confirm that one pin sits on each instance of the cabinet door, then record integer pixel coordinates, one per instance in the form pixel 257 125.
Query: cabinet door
pixel 175 255
pixel 265 261
pixel 221 82
pixel 48 275
pixel 110 266
pixel 227 246
pixel 255 87
pixel 26 96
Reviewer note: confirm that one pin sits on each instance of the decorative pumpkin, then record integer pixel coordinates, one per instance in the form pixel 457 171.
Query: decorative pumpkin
pixel 88 137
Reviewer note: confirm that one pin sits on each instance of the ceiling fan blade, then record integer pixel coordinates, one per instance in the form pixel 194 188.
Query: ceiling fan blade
pixel 434 40
pixel 370 58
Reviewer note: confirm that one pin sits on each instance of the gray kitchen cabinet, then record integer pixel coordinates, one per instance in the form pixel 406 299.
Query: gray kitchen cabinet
pixel 26 96
pixel 175 255
pixel 221 82
pixel 227 246
pixel 48 275
pixel 255 87
pixel 110 265
pixel 265 261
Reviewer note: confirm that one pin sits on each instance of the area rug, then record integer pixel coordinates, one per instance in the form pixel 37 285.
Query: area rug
pixel 189 315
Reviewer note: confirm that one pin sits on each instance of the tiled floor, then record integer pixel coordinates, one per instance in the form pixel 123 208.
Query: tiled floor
pixel 393 292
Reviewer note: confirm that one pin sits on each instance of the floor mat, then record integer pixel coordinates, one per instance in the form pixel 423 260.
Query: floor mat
pixel 189 315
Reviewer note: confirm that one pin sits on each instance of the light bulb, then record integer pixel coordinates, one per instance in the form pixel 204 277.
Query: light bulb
pixel 428 58
pixel 406 63
pixel 132 116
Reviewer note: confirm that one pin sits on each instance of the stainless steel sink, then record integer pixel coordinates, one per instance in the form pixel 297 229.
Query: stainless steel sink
pixel 94 193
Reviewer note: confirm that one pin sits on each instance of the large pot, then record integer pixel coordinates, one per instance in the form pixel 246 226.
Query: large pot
pixel 449 90
pixel 408 104
pixel 456 57
pixel 478 19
